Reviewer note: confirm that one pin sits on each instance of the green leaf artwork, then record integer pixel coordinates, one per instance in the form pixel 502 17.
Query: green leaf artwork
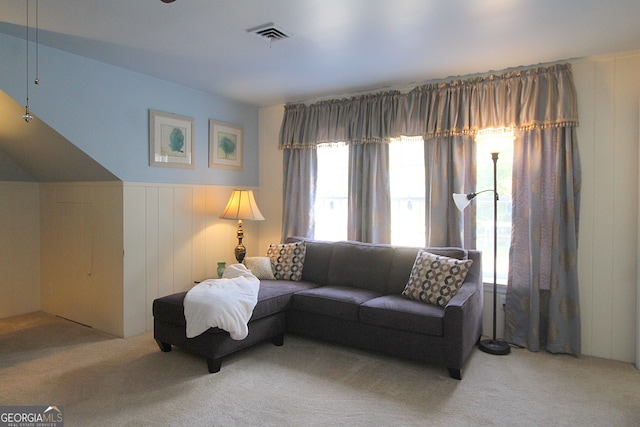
pixel 173 141
pixel 176 140
pixel 226 146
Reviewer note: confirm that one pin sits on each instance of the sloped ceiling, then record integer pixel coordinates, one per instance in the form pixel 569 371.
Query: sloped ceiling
pixel 41 152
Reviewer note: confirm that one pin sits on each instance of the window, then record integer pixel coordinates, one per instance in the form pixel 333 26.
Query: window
pixel 406 170
pixel 331 208
pixel 484 213
pixel 406 175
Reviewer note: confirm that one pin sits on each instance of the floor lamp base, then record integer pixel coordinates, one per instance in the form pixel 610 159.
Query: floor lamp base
pixel 494 347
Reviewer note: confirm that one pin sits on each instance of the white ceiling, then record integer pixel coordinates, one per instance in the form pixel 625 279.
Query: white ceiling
pixel 337 46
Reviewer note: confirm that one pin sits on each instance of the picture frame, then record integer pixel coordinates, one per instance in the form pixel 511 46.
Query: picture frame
pixel 171 140
pixel 225 145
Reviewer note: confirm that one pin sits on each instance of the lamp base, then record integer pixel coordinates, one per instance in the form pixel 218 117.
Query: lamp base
pixel 494 347
pixel 240 252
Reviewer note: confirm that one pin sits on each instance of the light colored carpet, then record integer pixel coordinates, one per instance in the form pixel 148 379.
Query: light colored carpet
pixel 104 381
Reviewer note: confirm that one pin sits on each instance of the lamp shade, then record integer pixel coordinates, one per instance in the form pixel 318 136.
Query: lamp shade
pixel 242 205
pixel 462 200
pixel 495 140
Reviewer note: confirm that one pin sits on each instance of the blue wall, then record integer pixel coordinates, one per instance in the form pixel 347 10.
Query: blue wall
pixel 104 111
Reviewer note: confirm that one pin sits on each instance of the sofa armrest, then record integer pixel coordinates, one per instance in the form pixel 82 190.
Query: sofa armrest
pixel 462 324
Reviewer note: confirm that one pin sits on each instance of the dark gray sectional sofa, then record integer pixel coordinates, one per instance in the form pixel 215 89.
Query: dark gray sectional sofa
pixel 350 294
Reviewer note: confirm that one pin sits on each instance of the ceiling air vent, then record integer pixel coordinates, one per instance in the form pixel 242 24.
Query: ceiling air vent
pixel 269 32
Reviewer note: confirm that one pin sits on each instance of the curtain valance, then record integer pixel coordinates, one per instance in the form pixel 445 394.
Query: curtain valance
pixel 525 99
pixel 358 120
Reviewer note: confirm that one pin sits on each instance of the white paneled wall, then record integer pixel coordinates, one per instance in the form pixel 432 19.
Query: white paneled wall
pixel 172 238
pixel 270 197
pixel 19 248
pixel 608 90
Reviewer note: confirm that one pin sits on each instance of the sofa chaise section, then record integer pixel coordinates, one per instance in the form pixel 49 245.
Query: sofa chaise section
pixel 268 322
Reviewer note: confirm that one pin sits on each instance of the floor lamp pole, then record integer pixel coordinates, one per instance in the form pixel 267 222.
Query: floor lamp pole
pixel 493 346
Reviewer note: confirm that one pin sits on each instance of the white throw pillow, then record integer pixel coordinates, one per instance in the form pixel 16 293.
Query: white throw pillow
pixel 260 266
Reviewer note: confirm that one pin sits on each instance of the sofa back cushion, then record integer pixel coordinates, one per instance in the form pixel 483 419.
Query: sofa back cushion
pixel 402 263
pixel 475 272
pixel 360 265
pixel 381 268
pixel 316 261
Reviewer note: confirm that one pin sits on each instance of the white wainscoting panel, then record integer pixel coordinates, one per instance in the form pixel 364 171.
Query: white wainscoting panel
pixel 608 89
pixel 173 238
pixel 19 248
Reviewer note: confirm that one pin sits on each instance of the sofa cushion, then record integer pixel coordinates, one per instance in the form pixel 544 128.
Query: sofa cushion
pixel 316 259
pixel 274 296
pixel 436 279
pixel 170 308
pixel 401 264
pixel 360 265
pixel 260 266
pixel 334 301
pixel 398 312
pixel 287 260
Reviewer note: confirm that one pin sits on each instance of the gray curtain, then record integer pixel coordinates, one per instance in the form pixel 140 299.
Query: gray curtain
pixel 366 123
pixel 542 306
pixel 299 192
pixel 365 119
pixel 300 163
pixel 369 193
pixel 524 99
pixel 449 168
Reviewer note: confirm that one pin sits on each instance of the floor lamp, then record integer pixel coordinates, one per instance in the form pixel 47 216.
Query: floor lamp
pixel 493 140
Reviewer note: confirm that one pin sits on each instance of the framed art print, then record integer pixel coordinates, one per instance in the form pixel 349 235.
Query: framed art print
pixel 225 145
pixel 170 140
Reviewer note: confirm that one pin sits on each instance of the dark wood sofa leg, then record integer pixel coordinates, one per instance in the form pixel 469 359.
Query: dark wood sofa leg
pixel 214 365
pixel 278 340
pixel 164 346
pixel 455 373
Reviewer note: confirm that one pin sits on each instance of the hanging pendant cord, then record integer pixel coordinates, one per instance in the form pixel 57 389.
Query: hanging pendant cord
pixel 37 80
pixel 27 53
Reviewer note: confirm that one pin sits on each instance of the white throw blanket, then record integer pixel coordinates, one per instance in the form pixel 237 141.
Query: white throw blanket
pixel 226 303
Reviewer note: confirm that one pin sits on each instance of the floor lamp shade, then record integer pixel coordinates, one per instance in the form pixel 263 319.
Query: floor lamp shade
pixel 463 200
pixel 242 205
pixel 495 140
